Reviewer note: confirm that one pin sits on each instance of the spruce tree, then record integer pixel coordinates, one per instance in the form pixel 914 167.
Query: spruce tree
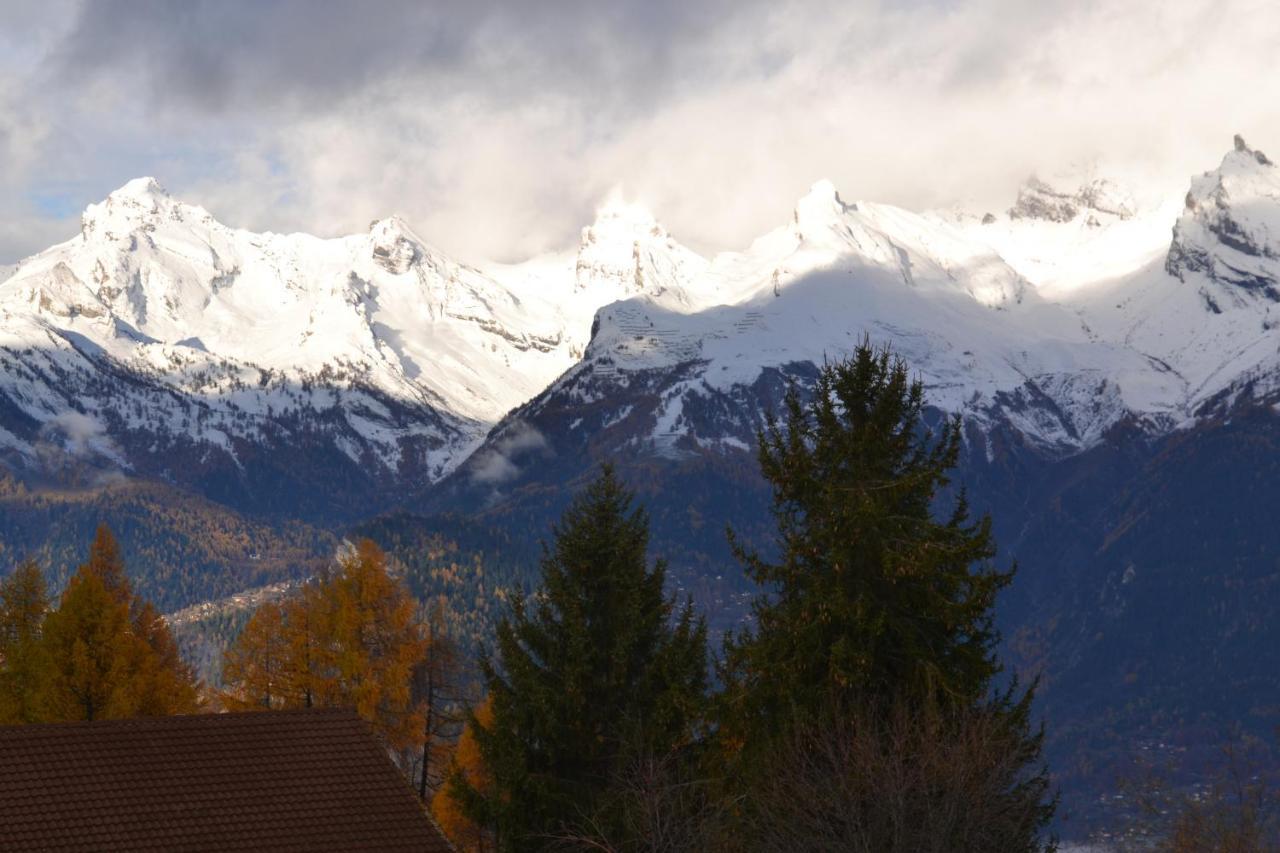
pixel 871 595
pixel 874 605
pixel 592 671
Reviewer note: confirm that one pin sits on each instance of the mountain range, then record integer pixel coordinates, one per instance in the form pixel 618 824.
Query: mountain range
pixel 158 334
pixel 1114 358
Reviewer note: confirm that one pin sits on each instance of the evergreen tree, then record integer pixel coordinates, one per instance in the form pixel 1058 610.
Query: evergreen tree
pixel 871 596
pixel 24 604
pixel 873 604
pixel 592 671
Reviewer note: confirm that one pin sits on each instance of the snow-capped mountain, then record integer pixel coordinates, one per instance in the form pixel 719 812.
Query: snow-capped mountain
pixel 1068 314
pixel 158 328
pixel 159 334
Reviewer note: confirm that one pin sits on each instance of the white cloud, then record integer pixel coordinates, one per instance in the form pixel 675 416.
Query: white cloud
pixel 80 435
pixel 496 129
pixel 497 462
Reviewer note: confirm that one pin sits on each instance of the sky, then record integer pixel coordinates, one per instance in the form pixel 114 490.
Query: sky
pixel 497 128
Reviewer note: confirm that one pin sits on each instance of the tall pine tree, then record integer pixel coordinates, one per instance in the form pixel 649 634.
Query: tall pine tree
pixel 594 670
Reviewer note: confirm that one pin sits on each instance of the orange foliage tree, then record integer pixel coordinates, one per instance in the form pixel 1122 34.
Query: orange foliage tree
pixel 467 763
pixel 258 663
pixel 350 639
pixel 106 653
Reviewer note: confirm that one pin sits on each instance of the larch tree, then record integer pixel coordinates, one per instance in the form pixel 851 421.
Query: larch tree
pixel 347 639
pixel 595 669
pixel 375 644
pixel 307 679
pixel 24 603
pixel 106 563
pixel 91 654
pixel 466 762
pixel 258 663
pixel 164 683
pixel 107 653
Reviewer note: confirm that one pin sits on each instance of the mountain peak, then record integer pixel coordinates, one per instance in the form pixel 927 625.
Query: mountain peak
pixel 619 216
pixel 1243 153
pixel 392 226
pixel 1038 199
pixel 822 204
pixel 1226 230
pixel 140 203
pixel 394 245
pixel 627 251
pixel 144 187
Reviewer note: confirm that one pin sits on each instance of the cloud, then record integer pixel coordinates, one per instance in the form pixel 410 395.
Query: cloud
pixel 496 127
pixel 496 464
pixel 80 435
pixel 77 444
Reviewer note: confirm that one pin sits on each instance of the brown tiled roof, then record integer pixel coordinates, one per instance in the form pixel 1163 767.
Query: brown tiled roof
pixel 276 780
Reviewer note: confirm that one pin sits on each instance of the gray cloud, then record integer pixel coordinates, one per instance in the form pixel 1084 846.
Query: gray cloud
pixel 309 54
pixel 495 127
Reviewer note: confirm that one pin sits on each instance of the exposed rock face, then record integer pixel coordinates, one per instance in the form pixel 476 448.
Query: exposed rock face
pixel 393 249
pixel 1039 200
pixel 1229 232
pixel 626 252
